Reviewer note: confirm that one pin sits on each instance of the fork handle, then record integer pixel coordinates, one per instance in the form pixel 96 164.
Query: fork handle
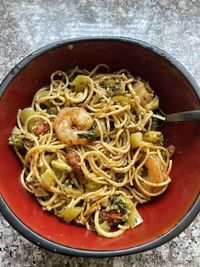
pixel 193 115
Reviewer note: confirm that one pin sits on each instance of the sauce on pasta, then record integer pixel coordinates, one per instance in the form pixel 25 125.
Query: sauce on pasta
pixel 91 150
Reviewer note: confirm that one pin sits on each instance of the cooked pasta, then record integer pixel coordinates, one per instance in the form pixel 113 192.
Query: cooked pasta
pixel 91 149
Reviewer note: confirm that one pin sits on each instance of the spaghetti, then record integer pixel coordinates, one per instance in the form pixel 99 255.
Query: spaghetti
pixel 90 149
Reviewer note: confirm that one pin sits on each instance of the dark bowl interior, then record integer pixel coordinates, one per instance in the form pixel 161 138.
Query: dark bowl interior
pixel 165 216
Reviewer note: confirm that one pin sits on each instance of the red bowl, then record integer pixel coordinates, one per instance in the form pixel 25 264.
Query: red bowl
pixel 164 217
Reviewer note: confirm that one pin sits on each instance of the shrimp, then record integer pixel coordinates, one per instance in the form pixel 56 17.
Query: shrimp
pixel 72 124
pixel 156 173
pixel 142 92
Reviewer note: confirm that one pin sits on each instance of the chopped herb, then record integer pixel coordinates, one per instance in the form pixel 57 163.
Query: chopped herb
pixel 114 87
pixel 90 136
pixel 116 200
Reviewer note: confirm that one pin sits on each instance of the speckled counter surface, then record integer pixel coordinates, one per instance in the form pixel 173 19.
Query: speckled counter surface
pixel 172 25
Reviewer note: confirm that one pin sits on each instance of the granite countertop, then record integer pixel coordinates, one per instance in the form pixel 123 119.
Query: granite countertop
pixel 172 25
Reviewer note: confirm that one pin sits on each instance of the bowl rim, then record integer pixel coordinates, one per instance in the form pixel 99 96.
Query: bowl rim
pixel 45 243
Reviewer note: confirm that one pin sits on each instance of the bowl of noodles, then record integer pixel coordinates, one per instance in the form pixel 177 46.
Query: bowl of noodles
pixel 86 169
